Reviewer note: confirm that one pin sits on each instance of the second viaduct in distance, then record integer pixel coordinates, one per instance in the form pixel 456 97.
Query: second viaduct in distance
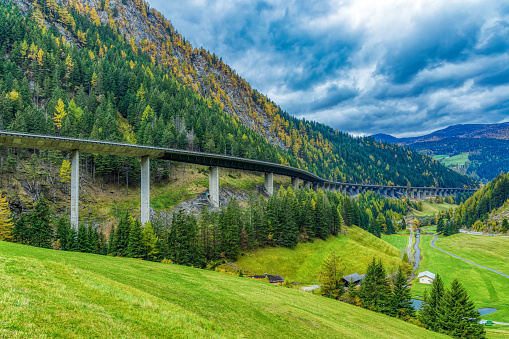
pixel 214 161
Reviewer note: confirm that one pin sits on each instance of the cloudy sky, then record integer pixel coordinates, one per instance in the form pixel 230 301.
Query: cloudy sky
pixel 363 66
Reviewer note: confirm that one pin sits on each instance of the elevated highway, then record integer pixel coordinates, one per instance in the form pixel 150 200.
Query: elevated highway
pixel 214 161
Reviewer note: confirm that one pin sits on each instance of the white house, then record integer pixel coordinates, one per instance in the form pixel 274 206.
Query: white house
pixel 426 277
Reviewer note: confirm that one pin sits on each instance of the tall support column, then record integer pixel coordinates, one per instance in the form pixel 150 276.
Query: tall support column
pixel 214 185
pixel 419 194
pixel 308 185
pixel 75 189
pixel 412 194
pixel 145 189
pixel 269 183
pixel 406 192
pixel 295 183
pixel 393 191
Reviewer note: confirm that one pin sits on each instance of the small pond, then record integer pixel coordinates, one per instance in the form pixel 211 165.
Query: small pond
pixel 416 303
pixel 486 310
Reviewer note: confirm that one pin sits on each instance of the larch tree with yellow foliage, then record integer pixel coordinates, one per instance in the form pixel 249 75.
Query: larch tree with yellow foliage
pixel 6 224
pixel 60 113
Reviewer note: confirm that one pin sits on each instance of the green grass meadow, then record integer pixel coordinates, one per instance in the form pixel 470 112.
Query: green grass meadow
pixel 492 252
pixel 47 293
pixel 303 263
pixel 485 288
pixel 429 209
pixel 456 160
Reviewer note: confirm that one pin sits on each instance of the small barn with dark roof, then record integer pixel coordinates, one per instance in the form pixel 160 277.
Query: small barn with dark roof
pixel 353 278
pixel 273 279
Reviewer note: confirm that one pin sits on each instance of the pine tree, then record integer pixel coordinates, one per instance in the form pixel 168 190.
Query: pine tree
pixel 111 242
pixel 72 240
pixel 459 318
pixel 83 244
pixel 390 225
pixel 401 304
pixel 41 231
pixel 121 240
pixel 135 248
pixel 63 228
pixel 375 290
pixel 21 230
pixel 149 242
pixel 331 277
pixel 6 224
pixel 432 306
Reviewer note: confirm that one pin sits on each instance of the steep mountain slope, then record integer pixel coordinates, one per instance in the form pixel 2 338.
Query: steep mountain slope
pixel 124 73
pixel 486 209
pixel 485 145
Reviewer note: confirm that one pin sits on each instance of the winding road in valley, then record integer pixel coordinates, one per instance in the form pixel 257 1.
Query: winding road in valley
pixel 465 260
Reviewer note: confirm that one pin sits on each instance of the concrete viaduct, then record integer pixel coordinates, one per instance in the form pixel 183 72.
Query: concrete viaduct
pixel 214 161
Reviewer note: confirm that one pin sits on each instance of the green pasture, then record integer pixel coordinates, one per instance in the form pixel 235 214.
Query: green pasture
pixel 486 289
pixel 302 263
pixel 56 294
pixel 432 208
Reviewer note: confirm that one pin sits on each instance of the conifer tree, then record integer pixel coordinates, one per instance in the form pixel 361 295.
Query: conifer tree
pixel 375 290
pixel 121 240
pixel 21 230
pixel 6 224
pixel 111 242
pixel 63 228
pixel 459 318
pixel 401 304
pixel 72 238
pixel 432 306
pixel 390 225
pixel 135 247
pixel 149 242
pixel 41 231
pixel 83 243
pixel 331 277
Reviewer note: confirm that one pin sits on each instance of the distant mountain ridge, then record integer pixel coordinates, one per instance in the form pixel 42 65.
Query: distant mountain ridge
pixel 487 146
pixel 490 131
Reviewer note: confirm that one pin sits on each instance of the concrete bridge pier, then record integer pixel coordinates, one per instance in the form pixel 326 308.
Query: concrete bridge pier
pixel 393 195
pixel 214 186
pixel 145 190
pixel 307 184
pixel 405 192
pixel 419 194
pixel 269 183
pixel 295 183
pixel 75 187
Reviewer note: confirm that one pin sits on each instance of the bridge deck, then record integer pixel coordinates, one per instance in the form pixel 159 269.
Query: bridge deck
pixel 34 141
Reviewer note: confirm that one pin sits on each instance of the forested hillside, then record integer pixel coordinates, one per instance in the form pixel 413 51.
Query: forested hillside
pixel 480 210
pixel 287 218
pixel 119 71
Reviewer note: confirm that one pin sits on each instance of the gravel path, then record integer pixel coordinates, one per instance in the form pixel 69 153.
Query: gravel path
pixel 465 260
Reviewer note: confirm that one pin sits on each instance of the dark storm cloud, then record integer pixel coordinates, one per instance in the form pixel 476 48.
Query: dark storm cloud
pixel 404 67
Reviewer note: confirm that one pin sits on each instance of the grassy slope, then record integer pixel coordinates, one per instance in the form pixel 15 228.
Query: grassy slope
pixel 429 209
pixel 303 262
pixel 491 252
pixel 46 293
pixel 485 288
pixel 400 241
